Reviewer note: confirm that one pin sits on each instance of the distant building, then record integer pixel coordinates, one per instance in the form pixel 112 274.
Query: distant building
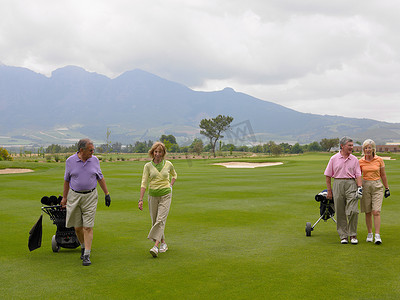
pixel 380 148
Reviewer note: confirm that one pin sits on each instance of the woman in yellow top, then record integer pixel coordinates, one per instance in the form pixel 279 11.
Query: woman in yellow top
pixel 156 175
pixel 374 178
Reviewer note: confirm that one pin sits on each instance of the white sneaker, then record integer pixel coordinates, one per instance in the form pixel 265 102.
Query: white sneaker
pixel 154 251
pixel 354 240
pixel 378 240
pixel 163 248
pixel 370 238
pixel 344 241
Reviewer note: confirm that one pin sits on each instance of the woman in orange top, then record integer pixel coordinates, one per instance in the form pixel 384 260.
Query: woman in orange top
pixel 374 178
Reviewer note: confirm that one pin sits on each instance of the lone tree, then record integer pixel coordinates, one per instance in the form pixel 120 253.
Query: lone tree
pixel 168 141
pixel 213 128
pixel 169 138
pixel 328 144
pixel 196 146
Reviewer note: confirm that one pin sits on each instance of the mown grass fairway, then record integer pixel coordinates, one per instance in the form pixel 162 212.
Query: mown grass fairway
pixel 232 234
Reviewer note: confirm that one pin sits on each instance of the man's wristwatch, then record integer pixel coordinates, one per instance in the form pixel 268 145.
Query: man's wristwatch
pixel 140 201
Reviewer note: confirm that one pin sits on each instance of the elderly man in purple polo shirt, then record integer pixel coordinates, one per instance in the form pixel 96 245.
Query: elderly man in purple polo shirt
pixel 347 189
pixel 82 173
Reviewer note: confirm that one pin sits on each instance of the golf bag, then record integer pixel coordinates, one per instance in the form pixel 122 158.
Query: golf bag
pixel 64 237
pixel 326 210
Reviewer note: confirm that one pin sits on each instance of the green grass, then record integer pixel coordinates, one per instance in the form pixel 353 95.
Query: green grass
pixel 232 233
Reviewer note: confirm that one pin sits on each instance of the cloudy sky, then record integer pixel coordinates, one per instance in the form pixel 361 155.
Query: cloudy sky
pixel 326 57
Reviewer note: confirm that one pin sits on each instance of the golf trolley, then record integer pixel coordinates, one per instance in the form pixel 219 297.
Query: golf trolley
pixel 326 209
pixel 64 237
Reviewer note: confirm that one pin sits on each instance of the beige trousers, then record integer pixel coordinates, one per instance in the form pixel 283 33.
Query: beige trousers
pixel 159 209
pixel 346 207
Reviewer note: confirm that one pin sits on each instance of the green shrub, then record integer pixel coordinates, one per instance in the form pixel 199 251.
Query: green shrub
pixel 4 155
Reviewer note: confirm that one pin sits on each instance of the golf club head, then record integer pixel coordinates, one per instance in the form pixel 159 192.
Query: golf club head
pixel 53 200
pixel 45 200
pixel 321 196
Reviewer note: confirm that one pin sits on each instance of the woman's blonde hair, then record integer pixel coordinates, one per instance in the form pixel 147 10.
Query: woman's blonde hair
pixel 366 143
pixel 155 146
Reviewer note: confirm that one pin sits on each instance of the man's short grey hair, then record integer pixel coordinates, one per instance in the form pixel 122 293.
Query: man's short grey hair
pixel 344 140
pixel 82 144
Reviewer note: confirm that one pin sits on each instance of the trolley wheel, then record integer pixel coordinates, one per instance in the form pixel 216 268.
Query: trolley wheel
pixel 54 245
pixel 308 229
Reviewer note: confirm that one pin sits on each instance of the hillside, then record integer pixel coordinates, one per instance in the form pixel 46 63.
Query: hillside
pixel 137 105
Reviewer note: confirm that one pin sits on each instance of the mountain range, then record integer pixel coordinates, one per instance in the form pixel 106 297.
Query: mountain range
pixel 73 103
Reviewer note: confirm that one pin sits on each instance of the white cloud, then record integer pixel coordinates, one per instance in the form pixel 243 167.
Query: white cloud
pixel 339 57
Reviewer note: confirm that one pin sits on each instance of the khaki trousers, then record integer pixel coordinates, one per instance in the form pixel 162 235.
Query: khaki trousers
pixel 346 207
pixel 159 209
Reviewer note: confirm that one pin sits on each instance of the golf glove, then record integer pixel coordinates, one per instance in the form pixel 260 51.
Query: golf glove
pixel 359 192
pixel 108 200
pixel 387 193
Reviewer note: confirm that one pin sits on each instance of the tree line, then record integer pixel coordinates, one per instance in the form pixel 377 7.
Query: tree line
pixel 197 147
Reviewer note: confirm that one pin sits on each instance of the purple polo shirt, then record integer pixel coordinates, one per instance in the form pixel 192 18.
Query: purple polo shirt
pixel 82 176
pixel 340 167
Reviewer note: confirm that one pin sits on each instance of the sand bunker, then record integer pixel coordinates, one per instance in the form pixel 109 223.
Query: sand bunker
pixel 15 171
pixel 247 165
pixel 387 158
